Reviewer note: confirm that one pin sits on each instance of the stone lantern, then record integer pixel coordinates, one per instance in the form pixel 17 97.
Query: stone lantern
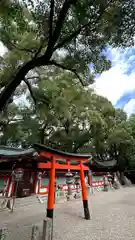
pixel 105 180
pixel 69 181
pixel 17 176
pixel 77 183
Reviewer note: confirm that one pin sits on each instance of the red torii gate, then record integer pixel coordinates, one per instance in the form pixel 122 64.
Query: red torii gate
pixel 54 155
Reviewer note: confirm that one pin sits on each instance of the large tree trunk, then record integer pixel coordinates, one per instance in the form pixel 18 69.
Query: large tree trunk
pixel 122 178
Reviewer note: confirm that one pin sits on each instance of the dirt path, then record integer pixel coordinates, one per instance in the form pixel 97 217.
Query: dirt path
pixel 113 217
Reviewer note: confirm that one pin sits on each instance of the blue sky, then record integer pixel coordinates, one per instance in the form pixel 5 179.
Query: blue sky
pixel 118 83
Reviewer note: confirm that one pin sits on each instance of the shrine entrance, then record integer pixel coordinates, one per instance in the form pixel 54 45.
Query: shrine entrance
pixel 54 156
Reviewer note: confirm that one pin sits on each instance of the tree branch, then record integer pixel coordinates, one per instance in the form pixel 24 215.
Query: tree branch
pixel 52 62
pixel 44 59
pixel 70 37
pixel 20 75
pixel 38 51
pixel 66 126
pixel 80 145
pixel 14 45
pixel 45 101
pixel 17 46
pixel 42 132
pixel 59 25
pixel 40 47
pixel 30 90
pixel 78 31
pixel 35 62
pixel 51 19
pixel 23 49
pixel 34 77
pixel 35 99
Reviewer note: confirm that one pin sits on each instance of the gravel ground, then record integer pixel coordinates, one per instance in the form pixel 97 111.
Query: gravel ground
pixel 113 217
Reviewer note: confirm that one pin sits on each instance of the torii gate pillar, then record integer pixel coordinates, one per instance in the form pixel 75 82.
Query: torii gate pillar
pixel 84 193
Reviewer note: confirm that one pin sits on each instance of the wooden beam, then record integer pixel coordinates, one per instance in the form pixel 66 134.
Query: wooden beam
pixel 61 166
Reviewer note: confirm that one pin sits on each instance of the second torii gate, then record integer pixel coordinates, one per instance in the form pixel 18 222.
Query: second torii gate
pixel 53 165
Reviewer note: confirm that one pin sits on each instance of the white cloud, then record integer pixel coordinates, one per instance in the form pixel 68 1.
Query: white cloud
pixel 120 79
pixel 114 83
pixel 2 49
pixel 130 107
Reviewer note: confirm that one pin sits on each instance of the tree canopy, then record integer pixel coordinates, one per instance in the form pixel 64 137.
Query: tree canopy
pixel 45 76
pixel 68 34
pixel 71 118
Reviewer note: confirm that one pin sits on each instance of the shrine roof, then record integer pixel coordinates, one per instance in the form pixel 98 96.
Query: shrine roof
pixel 108 164
pixel 42 148
pixel 10 152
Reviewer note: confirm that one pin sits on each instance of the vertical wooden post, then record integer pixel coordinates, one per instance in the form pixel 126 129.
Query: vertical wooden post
pixel 50 204
pixel 14 197
pixel 10 188
pixel 47 229
pixel 39 185
pixel 36 186
pixel 84 193
pixel 6 189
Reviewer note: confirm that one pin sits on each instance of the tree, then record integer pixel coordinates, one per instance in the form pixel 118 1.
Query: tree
pixel 68 121
pixel 121 144
pixel 69 117
pixel 75 111
pixel 131 124
pixel 35 31
pixel 74 120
